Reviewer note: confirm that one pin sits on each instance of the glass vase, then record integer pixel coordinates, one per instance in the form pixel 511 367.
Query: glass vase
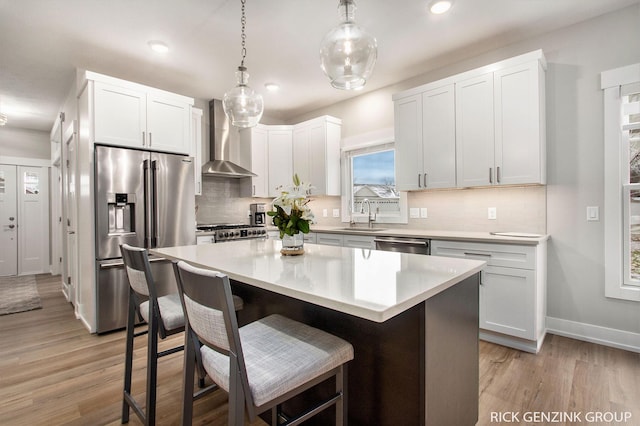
pixel 292 245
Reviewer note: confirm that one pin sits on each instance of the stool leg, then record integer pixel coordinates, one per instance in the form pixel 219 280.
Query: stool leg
pixel 190 350
pixel 128 358
pixel 152 366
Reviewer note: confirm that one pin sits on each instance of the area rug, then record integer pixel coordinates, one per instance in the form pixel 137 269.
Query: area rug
pixel 18 294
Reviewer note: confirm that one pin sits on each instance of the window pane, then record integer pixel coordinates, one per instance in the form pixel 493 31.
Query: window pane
pixel 373 178
pixel 634 234
pixel 634 160
pixel 31 183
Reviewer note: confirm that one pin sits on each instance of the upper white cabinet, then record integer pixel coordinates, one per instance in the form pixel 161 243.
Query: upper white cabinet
pixel 280 163
pixel 316 154
pixel 474 131
pixel 132 115
pixel 196 148
pixel 258 137
pixel 479 128
pixel 425 123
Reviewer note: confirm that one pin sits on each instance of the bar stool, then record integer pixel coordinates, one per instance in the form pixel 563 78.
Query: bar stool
pixel 260 365
pixel 164 316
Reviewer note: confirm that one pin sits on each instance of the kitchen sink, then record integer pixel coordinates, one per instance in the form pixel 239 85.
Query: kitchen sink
pixel 364 229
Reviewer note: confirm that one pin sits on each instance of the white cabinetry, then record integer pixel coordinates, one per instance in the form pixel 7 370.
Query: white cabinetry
pixel 358 241
pixel 196 148
pixel 329 239
pixel 132 115
pixel 316 154
pixel 280 163
pixel 258 137
pixel 512 290
pixel 425 123
pixel 479 128
pixel 345 240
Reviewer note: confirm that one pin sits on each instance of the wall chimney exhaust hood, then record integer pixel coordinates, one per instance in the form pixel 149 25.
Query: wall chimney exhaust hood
pixel 222 139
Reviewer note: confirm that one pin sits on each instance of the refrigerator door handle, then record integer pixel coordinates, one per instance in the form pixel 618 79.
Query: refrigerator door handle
pixel 147 204
pixel 154 201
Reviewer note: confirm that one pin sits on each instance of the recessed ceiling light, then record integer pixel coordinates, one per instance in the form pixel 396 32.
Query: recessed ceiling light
pixel 158 46
pixel 439 7
pixel 272 87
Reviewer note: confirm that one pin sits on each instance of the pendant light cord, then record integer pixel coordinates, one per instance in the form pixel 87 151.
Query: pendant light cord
pixel 243 21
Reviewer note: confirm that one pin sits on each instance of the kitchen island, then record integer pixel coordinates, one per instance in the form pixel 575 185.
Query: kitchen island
pixel 412 319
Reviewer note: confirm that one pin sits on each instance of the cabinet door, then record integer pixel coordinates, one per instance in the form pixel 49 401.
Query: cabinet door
pixel 474 132
pixel 119 115
pixel 318 171
pixel 301 155
pixel 168 124
pixel 196 148
pixel 439 138
pixel 259 158
pixel 280 160
pixel 329 239
pixel 507 301
pixel 408 135
pixel 358 241
pixel 519 138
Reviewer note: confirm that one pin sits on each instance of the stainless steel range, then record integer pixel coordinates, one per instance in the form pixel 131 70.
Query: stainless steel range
pixel 219 233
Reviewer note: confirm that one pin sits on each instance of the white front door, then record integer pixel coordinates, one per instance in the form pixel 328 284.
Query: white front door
pixel 33 199
pixel 71 200
pixel 8 221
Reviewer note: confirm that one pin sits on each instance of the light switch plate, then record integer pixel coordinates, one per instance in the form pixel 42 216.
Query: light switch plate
pixel 325 213
pixel 492 213
pixel 423 212
pixel 414 213
pixel 336 212
pixel 593 213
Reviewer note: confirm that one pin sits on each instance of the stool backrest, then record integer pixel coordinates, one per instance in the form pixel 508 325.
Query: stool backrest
pixel 138 271
pixel 210 314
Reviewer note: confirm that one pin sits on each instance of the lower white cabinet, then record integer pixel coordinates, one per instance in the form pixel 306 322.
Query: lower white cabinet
pixel 512 290
pixel 329 239
pixel 358 241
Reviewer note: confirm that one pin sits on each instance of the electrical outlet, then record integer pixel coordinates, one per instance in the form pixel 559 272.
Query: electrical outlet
pixel 336 212
pixel 492 214
pixel 325 213
pixel 414 213
pixel 423 212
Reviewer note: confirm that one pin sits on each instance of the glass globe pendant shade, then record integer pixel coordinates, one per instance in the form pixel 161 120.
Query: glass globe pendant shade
pixel 347 52
pixel 242 104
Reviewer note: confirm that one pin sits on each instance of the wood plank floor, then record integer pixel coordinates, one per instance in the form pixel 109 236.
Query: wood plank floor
pixel 53 372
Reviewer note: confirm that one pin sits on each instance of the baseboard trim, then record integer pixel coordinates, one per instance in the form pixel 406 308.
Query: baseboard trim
pixel 524 345
pixel 595 334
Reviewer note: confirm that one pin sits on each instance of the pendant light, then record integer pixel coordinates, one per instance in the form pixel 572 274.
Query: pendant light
pixel 347 52
pixel 242 104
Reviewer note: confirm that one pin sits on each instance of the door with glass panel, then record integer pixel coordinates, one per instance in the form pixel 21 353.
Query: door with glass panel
pixel 8 221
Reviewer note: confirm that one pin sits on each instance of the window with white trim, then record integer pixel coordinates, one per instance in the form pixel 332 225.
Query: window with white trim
pixel 622 182
pixel 369 182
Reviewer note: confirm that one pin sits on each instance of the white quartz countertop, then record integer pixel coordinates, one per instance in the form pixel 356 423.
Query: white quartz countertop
pixel 371 284
pixel 487 237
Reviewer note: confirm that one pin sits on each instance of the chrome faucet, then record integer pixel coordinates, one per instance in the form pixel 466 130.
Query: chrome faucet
pixel 369 218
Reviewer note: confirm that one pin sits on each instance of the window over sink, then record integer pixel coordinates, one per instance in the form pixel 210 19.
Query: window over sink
pixel 369 182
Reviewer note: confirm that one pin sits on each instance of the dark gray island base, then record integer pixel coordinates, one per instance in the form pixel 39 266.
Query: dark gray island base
pixel 418 368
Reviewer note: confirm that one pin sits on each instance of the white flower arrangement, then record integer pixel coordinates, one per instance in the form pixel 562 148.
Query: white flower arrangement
pixel 291 213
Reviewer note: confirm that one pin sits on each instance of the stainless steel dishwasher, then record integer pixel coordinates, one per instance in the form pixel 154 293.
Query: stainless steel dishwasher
pixel 403 244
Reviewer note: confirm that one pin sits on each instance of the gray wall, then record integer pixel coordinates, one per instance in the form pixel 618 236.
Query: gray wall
pixel 24 143
pixel 576 56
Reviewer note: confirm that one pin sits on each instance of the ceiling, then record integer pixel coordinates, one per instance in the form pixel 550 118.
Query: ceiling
pixel 42 42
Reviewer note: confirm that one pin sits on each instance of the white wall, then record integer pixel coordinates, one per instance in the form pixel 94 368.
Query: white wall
pixel 576 56
pixel 24 143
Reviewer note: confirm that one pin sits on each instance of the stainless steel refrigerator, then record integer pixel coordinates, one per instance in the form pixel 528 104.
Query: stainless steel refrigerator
pixel 145 199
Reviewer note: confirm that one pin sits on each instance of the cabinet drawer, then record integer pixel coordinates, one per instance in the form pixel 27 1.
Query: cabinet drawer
pixel 505 255
pixel 329 239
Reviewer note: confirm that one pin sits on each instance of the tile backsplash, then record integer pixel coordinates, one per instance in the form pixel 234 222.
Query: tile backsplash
pixel 518 209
